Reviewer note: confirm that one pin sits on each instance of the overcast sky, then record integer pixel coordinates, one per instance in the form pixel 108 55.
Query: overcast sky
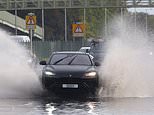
pixel 150 11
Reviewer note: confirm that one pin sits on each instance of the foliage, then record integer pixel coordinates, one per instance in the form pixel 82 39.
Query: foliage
pixel 94 18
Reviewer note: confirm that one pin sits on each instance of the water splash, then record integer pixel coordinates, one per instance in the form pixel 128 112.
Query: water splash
pixel 128 66
pixel 17 78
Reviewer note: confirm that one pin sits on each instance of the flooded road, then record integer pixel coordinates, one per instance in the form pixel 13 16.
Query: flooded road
pixel 53 106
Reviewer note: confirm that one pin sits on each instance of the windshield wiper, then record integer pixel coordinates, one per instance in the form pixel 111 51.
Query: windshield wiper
pixel 72 60
pixel 60 60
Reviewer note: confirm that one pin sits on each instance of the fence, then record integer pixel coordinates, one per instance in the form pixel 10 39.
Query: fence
pixel 43 49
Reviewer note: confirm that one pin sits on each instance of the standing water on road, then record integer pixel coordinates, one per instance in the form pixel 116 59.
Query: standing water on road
pixel 128 66
pixel 18 79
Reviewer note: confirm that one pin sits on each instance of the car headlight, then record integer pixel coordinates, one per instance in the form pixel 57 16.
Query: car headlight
pixel 91 74
pixel 49 73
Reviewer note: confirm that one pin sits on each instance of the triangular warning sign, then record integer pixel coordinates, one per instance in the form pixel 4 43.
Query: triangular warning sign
pixel 78 30
pixel 30 21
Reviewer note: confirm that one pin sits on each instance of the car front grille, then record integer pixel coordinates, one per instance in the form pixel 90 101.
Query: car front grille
pixel 70 75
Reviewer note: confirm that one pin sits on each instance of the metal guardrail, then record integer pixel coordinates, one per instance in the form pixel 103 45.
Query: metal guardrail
pixel 8 19
pixel 52 4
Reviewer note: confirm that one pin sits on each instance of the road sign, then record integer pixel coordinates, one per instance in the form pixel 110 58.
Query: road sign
pixel 30 22
pixel 31 26
pixel 78 30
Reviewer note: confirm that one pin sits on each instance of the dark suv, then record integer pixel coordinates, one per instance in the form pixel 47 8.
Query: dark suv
pixel 70 72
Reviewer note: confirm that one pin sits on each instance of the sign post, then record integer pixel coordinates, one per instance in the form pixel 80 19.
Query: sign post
pixel 31 26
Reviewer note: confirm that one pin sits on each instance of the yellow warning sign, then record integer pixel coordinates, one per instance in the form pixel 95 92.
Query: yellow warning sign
pixel 78 30
pixel 30 22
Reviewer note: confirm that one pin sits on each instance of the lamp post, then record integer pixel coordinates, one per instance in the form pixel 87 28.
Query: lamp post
pixel 42 20
pixel 65 25
pixel 15 17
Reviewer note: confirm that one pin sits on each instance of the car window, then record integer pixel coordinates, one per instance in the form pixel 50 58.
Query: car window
pixel 86 50
pixel 70 59
pixel 82 50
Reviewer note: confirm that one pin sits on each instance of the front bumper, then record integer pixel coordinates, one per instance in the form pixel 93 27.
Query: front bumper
pixel 70 85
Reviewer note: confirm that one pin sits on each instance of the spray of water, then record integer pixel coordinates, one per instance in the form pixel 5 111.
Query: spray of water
pixel 128 66
pixel 17 78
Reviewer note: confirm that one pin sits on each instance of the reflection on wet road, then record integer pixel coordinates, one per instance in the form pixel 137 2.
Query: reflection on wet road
pixel 52 106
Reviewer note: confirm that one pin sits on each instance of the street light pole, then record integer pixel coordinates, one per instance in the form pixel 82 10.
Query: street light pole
pixel 84 22
pixel 65 25
pixel 16 18
pixel 105 22
pixel 135 23
pixel 42 22
pixel 146 21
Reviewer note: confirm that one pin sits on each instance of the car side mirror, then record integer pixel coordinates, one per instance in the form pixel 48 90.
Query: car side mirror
pixel 97 64
pixel 43 63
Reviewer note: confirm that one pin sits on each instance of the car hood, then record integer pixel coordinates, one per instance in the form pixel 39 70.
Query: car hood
pixel 69 68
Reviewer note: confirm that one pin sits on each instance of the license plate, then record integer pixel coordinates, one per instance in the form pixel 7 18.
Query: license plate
pixel 69 85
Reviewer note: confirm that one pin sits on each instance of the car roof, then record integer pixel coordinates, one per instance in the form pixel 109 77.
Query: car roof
pixel 69 52
pixel 85 47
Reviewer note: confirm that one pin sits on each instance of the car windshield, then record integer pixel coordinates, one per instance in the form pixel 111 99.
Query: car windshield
pixel 70 59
